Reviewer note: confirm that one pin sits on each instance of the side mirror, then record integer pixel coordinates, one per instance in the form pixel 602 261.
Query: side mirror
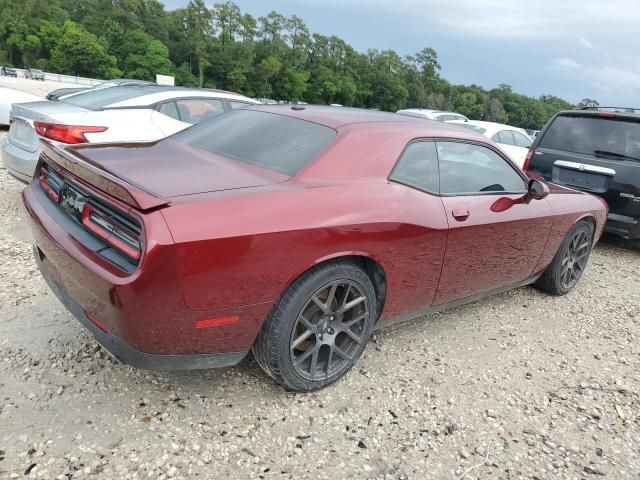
pixel 538 190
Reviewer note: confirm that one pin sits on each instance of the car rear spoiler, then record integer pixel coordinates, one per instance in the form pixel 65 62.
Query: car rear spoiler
pixel 101 179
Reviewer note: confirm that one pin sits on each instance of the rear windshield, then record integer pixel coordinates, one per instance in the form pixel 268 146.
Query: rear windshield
pixel 96 99
pixel 270 141
pixel 593 135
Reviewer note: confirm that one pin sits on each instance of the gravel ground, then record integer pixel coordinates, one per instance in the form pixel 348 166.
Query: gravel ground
pixel 522 385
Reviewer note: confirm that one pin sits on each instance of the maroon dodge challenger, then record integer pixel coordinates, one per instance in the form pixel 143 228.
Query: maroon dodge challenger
pixel 293 231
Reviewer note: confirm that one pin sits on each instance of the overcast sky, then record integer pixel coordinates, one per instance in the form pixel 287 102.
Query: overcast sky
pixel 569 48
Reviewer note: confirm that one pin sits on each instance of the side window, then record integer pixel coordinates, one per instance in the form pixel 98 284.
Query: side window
pixel 521 140
pixel 170 110
pixel 467 169
pixel 418 167
pixel 506 137
pixel 235 105
pixel 194 110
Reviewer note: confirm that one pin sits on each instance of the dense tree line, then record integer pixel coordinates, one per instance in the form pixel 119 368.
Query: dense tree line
pixel 269 57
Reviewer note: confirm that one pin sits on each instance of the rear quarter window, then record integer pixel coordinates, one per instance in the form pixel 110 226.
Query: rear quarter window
pixel 271 141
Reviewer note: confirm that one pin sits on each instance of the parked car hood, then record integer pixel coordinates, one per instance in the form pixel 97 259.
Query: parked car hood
pixel 169 169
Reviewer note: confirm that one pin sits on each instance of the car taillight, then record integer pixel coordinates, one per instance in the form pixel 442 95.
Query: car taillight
pixel 51 183
pixel 112 231
pixel 66 133
pixel 527 160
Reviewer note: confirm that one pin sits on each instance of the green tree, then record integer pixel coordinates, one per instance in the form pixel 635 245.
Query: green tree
pixel 79 52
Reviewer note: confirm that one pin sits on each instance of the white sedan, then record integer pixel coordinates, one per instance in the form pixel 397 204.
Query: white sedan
pixel 513 140
pixel 117 114
pixel 9 96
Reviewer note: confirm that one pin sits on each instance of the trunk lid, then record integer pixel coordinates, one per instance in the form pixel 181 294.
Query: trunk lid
pixel 167 169
pixel 22 133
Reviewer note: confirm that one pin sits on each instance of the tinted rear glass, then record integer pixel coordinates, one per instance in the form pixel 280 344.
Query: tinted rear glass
pixel 97 99
pixel 267 140
pixel 590 134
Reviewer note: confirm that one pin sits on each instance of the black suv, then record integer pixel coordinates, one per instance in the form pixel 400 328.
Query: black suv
pixel 597 151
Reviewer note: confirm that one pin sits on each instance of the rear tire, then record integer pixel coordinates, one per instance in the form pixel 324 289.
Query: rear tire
pixel 319 328
pixel 570 261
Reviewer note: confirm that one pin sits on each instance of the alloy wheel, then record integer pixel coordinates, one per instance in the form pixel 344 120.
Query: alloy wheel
pixel 575 259
pixel 329 330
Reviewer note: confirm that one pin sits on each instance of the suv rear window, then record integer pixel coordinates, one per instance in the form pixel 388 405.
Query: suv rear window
pixel 268 140
pixel 588 135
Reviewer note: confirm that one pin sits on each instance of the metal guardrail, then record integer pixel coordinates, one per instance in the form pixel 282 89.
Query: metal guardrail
pixel 58 77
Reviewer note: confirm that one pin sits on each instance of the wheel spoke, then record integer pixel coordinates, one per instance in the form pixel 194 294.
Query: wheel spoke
pixel 338 351
pixel 305 355
pixel 583 246
pixel 353 303
pixel 582 255
pixel 329 360
pixel 314 363
pixel 353 321
pixel 308 325
pixel 354 337
pixel 321 305
pixel 331 296
pixel 346 296
pixel 301 339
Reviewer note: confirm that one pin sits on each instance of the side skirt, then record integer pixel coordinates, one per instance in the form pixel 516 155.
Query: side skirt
pixel 455 303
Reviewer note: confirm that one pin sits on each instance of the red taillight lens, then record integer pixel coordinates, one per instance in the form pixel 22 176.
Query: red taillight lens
pixel 527 160
pixel 44 183
pixel 66 133
pixel 112 232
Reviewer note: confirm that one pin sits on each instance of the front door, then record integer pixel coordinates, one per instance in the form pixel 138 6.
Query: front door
pixel 495 239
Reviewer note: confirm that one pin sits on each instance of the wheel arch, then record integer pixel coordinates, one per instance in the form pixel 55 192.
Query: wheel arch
pixel 371 265
pixel 591 220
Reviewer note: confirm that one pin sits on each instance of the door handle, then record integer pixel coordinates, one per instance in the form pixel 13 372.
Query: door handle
pixel 460 214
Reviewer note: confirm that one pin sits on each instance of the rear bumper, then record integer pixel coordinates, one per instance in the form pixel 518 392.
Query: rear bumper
pixel 144 318
pixel 20 163
pixel 125 353
pixel 627 227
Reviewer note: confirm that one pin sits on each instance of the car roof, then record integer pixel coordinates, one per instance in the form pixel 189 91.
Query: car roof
pixel 339 117
pixel 150 94
pixel 419 110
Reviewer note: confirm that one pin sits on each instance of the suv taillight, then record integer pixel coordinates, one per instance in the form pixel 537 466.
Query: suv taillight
pixel 109 228
pixel 527 160
pixel 66 133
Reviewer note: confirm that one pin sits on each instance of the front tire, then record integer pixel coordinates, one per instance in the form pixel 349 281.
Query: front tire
pixel 569 262
pixel 319 328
